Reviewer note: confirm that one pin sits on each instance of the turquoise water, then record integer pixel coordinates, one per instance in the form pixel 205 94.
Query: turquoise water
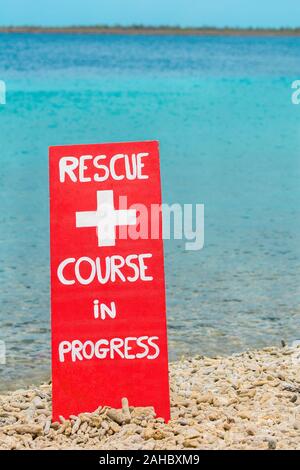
pixel 230 138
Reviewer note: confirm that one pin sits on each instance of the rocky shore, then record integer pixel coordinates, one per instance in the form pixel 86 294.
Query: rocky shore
pixel 244 401
pixel 152 30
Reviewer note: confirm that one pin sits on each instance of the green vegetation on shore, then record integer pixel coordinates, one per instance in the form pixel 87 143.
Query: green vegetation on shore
pixel 151 30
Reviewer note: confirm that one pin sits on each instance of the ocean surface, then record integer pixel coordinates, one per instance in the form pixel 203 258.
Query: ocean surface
pixel 229 138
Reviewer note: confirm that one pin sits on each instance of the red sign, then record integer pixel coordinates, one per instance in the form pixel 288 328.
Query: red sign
pixel 107 278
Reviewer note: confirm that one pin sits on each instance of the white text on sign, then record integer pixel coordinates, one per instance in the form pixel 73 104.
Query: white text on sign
pixel 120 166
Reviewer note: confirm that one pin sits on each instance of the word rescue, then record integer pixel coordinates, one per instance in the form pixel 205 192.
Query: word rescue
pixel 107 291
pixel 118 167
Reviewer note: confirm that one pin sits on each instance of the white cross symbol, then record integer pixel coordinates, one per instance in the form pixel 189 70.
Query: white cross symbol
pixel 106 218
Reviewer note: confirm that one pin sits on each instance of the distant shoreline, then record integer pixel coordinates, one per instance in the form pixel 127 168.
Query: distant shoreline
pixel 243 401
pixel 157 31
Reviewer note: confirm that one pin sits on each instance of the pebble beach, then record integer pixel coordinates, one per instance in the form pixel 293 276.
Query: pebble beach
pixel 243 401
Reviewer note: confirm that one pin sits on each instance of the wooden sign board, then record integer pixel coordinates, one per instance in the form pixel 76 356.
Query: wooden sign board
pixel 107 281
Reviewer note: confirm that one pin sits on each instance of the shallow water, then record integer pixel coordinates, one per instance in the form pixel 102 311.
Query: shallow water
pixel 221 108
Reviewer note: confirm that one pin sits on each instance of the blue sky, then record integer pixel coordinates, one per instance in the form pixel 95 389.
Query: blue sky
pixel 266 13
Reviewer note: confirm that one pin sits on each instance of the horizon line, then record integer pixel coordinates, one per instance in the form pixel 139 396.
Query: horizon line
pixel 162 29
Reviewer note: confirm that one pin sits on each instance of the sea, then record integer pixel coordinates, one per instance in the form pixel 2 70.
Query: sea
pixel 221 108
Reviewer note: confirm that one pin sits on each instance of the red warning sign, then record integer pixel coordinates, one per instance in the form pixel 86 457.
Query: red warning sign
pixel 107 278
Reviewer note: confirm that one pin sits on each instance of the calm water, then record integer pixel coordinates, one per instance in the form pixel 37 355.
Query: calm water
pixel 230 138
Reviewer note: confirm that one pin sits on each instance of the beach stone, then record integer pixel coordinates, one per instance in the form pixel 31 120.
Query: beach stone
pixel 183 422
pixel 190 443
pixel 27 429
pixel 95 421
pixel 191 433
pixel 250 431
pixel 7 420
pixel 206 398
pixel 272 444
pixel 116 415
pixel 155 434
pixel 76 425
pixel 126 410
pixel 115 427
pixel 37 402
